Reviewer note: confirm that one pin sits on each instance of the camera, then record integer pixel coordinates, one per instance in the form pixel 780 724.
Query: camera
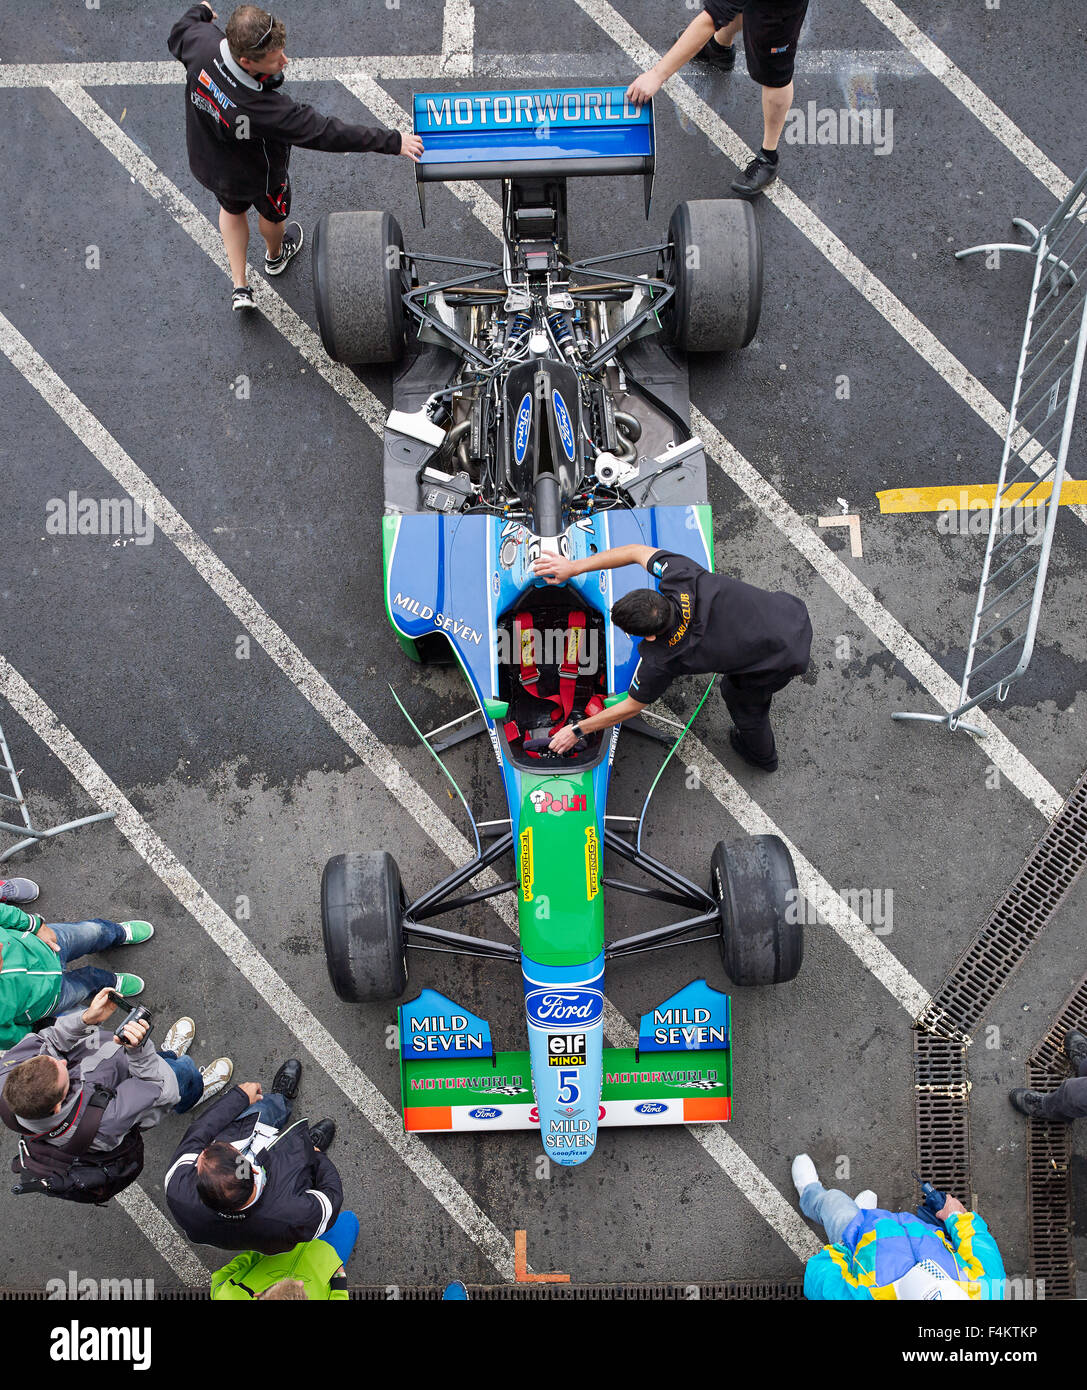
pixel 138 1015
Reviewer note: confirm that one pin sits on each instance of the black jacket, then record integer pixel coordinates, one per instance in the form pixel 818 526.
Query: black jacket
pixel 302 1195
pixel 240 129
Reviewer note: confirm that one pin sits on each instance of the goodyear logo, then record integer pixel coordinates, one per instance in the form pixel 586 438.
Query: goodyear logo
pixel 592 863
pixel 527 871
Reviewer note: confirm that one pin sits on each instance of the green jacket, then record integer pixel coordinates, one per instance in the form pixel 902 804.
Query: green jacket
pixel 30 974
pixel 313 1261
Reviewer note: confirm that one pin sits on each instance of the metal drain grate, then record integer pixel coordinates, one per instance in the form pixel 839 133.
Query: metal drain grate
pixel 743 1290
pixel 1049 1156
pixel 1040 887
pixel 942 1113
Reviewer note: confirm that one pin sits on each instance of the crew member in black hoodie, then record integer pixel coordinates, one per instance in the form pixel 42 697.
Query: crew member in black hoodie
pixel 240 126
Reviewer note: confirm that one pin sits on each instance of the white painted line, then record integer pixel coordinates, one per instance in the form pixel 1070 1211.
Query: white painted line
pixel 972 97
pixel 177 1253
pixel 392 114
pixel 905 323
pixel 395 66
pixel 871 950
pixel 243 955
pixel 458 37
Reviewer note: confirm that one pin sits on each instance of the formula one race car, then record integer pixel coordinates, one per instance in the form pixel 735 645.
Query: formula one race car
pixel 545 406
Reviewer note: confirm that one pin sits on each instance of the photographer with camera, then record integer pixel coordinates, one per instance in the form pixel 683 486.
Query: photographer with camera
pixel 80 1095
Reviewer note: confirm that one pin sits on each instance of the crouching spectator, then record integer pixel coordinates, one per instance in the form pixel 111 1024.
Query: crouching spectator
pixel 81 1096
pixel 313 1270
pixel 243 1179
pixel 35 981
pixel 877 1254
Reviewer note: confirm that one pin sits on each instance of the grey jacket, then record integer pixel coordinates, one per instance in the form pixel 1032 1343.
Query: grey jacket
pixel 144 1083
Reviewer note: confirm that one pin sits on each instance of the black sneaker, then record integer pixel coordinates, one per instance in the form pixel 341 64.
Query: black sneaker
pixel 759 174
pixel 322 1134
pixel 715 55
pixel 769 764
pixel 1028 1103
pixel 285 1082
pixel 292 244
pixel 242 298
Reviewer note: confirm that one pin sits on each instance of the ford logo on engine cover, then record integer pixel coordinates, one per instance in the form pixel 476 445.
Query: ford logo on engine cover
pixel 566 429
pixel 520 429
pixel 650 1107
pixel 485 1112
pixel 550 1007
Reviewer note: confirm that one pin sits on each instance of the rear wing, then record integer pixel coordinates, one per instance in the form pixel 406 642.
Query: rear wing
pixel 552 132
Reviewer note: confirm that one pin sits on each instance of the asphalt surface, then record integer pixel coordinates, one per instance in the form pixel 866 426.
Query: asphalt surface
pixel 251 788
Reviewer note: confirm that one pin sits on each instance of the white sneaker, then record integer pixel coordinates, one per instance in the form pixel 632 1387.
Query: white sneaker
pixel 179 1037
pixel 216 1075
pixel 866 1200
pixel 804 1172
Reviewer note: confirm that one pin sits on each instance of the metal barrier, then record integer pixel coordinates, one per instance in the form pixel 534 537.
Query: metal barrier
pixel 1039 427
pixel 29 834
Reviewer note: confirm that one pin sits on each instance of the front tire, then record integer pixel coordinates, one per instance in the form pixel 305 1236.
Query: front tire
pixel 358 287
pixel 362 922
pixel 762 929
pixel 716 268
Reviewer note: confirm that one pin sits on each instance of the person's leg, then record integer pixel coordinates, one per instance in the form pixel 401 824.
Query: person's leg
pixel 776 102
pixel 272 232
pixel 342 1235
pixel 189 1081
pixel 235 229
pixel 830 1207
pixel 726 35
pixel 75 939
pixel 750 711
pixel 77 986
pixel 1068 1101
pixel 272 1109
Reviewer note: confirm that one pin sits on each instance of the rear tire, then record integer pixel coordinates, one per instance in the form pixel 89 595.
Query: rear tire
pixel 762 929
pixel 360 311
pixel 717 273
pixel 361 918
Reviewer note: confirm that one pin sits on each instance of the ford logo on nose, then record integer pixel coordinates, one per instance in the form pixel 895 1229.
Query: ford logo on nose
pixel 520 429
pixel 566 428
pixel 548 1007
pixel 650 1107
pixel 485 1112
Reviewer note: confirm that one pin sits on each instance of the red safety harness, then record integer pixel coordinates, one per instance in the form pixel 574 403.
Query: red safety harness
pixel 525 640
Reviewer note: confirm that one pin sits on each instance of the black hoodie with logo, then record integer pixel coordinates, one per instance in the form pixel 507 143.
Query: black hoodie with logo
pixel 240 128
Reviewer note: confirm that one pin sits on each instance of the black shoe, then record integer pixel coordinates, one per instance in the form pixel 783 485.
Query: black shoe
pixel 715 54
pixel 242 298
pixel 292 244
pixel 1028 1103
pixel 322 1134
pixel 287 1079
pixel 759 174
pixel 1075 1048
pixel 769 764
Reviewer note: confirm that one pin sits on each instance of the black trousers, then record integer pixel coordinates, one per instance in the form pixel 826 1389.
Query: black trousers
pixel 1069 1100
pixel 749 705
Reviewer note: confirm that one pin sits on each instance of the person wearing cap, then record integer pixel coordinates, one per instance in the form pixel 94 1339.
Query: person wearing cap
pixel 771 30
pixel 876 1254
pixel 240 128
pixel 35 981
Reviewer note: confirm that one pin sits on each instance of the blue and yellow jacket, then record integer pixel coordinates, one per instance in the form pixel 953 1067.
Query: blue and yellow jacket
pixel 878 1247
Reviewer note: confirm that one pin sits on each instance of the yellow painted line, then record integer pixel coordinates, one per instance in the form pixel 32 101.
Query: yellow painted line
pixel 957 497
